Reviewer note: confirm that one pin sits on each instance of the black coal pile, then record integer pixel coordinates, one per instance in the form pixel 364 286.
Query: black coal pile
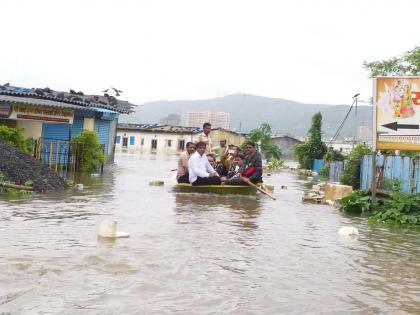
pixel 20 168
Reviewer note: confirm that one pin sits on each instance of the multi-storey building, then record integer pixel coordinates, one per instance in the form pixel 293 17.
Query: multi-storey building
pixel 217 119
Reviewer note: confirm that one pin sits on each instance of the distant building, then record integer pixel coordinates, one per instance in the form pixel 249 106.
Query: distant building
pixel 286 145
pixel 153 138
pixel 172 120
pixel 217 119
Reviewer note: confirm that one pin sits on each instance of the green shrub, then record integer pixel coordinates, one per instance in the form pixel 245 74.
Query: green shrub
pixel 14 137
pixel 88 151
pixel 401 208
pixel 357 202
pixel 274 164
pixel 351 172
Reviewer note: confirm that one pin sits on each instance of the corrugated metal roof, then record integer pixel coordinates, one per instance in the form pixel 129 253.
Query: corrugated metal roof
pixel 103 110
pixel 42 102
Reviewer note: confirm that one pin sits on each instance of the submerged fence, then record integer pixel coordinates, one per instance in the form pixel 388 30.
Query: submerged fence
pixel 61 156
pixel 404 169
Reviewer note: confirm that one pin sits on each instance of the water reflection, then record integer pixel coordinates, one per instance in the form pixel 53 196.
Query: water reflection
pixel 243 211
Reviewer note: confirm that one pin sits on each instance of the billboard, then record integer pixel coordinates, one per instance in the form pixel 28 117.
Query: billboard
pixel 396 113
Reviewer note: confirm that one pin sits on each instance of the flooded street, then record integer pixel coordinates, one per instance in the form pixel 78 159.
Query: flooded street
pixel 198 253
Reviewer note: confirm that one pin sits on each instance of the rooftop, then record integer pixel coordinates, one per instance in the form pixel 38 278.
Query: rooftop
pixel 159 128
pixel 71 99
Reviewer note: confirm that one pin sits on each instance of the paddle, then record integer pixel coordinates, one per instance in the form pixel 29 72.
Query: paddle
pixel 246 180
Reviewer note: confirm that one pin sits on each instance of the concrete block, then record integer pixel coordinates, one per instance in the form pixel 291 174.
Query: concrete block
pixel 336 191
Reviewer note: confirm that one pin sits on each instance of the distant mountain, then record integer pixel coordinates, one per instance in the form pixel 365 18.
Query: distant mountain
pixel 249 111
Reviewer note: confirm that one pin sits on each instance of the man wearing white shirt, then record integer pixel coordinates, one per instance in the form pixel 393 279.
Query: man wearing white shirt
pixel 200 170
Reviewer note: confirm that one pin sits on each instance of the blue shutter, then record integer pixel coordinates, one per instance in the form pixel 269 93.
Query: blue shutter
pixel 55 131
pixel 117 139
pixel 102 127
pixel 132 140
pixel 77 127
pixel 52 134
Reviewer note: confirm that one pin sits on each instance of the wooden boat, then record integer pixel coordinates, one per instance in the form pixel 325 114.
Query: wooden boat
pixel 216 189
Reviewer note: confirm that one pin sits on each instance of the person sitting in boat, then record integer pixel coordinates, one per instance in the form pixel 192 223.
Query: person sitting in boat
pixel 236 172
pixel 200 170
pixel 205 137
pixel 182 171
pixel 218 166
pixel 253 163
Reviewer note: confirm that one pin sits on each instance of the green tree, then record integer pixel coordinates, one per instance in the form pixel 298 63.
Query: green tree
pixel 262 137
pixel 407 64
pixel 314 147
pixel 351 172
pixel 88 150
pixel 14 137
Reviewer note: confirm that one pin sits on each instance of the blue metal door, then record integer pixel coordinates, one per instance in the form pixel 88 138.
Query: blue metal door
pixel 77 127
pixel 102 127
pixel 55 146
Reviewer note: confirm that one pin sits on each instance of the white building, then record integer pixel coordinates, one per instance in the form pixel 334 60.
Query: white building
pixel 153 138
pixel 216 119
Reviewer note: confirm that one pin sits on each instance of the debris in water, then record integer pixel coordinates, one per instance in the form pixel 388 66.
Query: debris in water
pixel 108 229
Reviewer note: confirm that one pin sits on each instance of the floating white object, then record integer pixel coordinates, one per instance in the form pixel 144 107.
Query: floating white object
pixel 348 230
pixel 108 229
pixel 79 186
pixel 94 175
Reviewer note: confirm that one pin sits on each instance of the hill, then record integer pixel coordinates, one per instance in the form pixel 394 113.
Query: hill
pixel 249 111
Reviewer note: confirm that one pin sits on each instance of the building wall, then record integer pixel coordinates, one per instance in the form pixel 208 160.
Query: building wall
pixel 231 137
pixel 32 129
pixel 89 124
pixel 142 141
pixel 286 145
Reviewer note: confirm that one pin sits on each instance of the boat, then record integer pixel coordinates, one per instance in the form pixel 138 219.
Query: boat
pixel 216 189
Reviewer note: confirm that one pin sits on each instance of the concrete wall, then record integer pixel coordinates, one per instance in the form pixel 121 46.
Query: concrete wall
pixel 89 124
pixel 32 129
pixel 231 137
pixel 286 145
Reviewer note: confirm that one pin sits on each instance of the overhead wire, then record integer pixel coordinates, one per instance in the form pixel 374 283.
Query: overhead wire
pixel 342 124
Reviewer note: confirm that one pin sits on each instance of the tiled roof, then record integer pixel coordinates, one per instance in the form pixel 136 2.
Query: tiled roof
pixel 40 101
pixel 76 98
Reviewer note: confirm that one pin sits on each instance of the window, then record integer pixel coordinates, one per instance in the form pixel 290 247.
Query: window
pixel 169 143
pixel 117 139
pixel 142 141
pixel 181 145
pixel 154 143
pixel 132 139
pixel 125 141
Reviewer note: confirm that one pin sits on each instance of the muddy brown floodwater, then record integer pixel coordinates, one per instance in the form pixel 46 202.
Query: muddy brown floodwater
pixel 198 254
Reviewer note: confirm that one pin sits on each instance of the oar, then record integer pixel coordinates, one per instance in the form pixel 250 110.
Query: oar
pixel 246 180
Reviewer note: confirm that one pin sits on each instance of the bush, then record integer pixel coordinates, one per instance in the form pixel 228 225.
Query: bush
pixel 88 151
pixel 14 137
pixel 357 202
pixel 351 172
pixel 401 208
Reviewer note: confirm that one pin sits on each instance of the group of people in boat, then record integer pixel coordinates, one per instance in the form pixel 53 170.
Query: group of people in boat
pixel 198 165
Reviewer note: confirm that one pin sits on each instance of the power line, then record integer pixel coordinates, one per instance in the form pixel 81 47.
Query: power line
pixel 342 123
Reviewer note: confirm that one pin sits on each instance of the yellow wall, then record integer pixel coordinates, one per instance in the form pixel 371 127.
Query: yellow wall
pixel 89 124
pixel 231 137
pixel 32 129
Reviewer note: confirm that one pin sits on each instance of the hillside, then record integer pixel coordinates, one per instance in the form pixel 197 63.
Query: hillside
pixel 249 111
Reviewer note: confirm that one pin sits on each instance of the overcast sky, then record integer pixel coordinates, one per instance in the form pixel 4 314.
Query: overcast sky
pixel 307 51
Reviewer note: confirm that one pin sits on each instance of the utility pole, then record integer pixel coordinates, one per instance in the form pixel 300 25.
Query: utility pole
pixel 355 120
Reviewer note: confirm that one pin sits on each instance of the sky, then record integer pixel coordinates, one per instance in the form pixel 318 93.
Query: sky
pixel 306 51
